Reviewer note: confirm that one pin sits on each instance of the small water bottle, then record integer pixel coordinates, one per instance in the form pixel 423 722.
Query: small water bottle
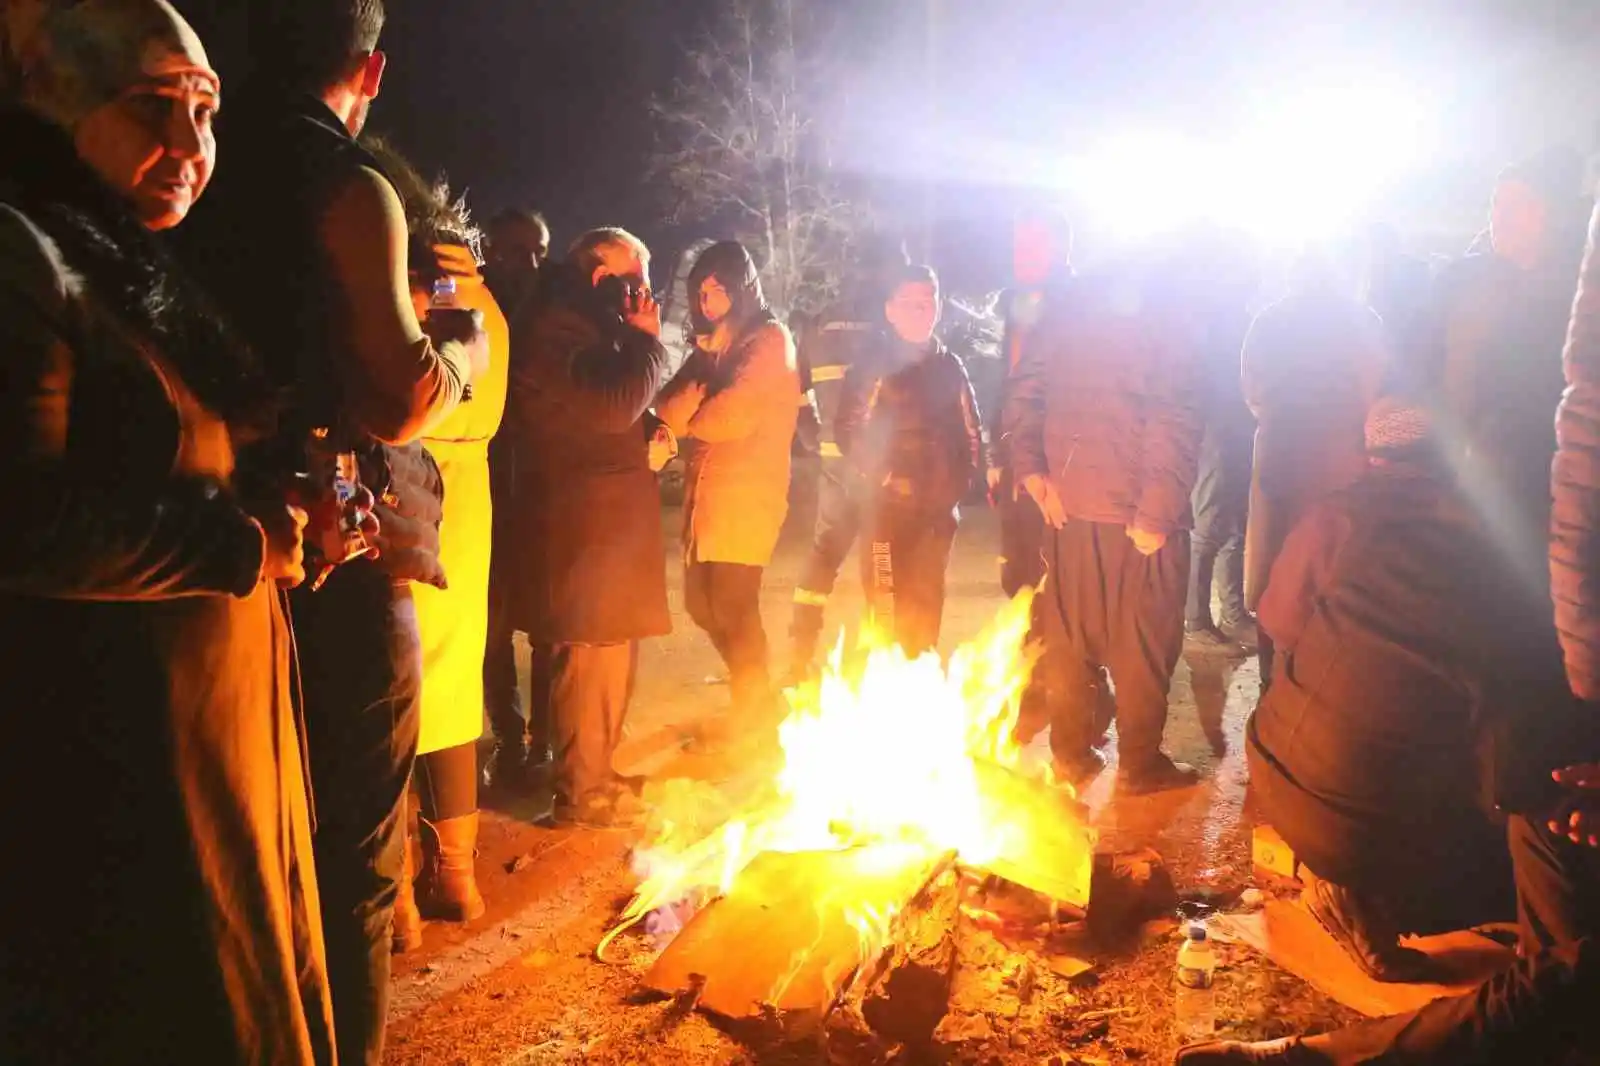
pixel 444 299
pixel 1196 999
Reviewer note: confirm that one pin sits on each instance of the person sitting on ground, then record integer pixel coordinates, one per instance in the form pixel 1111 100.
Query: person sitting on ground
pixel 1384 606
pixel 909 427
pixel 737 398
pixel 170 914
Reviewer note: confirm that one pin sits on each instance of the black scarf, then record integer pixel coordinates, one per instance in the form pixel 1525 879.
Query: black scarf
pixel 128 269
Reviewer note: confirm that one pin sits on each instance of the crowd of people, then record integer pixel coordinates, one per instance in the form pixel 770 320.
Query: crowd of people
pixel 295 454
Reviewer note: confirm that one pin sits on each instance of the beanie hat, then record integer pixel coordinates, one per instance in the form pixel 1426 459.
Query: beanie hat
pixel 1396 427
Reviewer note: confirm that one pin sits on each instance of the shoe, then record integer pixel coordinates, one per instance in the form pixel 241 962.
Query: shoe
pixel 1080 771
pixel 604 809
pixel 1243 633
pixel 506 772
pixel 1164 775
pixel 1210 640
pixel 405 934
pixel 1363 930
pixel 449 888
pixel 1290 1052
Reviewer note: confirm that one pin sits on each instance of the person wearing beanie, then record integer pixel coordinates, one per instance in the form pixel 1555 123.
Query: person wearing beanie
pixel 735 401
pixel 1385 607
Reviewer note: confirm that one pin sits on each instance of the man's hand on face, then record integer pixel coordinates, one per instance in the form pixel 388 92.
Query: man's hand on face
pixel 1044 494
pixel 1147 542
pixel 643 313
pixel 1579 817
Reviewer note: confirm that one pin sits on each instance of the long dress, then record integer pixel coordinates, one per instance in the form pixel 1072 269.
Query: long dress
pixel 454 621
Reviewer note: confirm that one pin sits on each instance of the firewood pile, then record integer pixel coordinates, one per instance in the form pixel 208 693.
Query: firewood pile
pixel 870 953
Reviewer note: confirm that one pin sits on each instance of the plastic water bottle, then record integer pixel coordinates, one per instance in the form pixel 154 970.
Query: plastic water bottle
pixel 1196 1000
pixel 444 299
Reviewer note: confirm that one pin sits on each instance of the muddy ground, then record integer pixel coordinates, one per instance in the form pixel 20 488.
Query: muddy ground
pixel 521 987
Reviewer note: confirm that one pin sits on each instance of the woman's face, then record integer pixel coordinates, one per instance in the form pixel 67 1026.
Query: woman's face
pixel 715 303
pixel 153 142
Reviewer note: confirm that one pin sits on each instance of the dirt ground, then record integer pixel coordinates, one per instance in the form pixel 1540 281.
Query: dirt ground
pixel 521 987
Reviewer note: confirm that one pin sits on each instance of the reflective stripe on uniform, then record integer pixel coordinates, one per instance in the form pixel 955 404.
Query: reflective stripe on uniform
pixel 808 598
pixel 834 372
pixel 829 450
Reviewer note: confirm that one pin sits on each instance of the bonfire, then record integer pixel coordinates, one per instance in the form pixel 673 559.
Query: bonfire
pixel 897 775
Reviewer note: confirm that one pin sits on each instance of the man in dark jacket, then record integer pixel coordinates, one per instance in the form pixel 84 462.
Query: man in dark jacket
pixel 909 428
pixel 1384 608
pixel 828 350
pixel 591 581
pixel 1103 426
pixel 321 293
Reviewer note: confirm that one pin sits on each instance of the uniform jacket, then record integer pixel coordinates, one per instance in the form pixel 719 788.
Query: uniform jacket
pixel 1107 403
pixel 587 504
pixel 143 651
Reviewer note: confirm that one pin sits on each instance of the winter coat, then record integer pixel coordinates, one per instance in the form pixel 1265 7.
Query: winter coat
pixel 739 410
pixel 1312 365
pixel 1387 606
pixel 829 349
pixel 173 915
pixel 454 620
pixel 588 509
pixel 1575 521
pixel 909 426
pixel 1107 403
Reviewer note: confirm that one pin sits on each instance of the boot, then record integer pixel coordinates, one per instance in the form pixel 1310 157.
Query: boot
pixel 449 883
pixel 406 932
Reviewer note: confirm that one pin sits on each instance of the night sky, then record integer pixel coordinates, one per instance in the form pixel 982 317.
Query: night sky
pixel 545 102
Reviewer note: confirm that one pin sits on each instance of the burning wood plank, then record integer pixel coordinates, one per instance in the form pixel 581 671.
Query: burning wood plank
pixel 909 993
pixel 793 933
pixel 1041 837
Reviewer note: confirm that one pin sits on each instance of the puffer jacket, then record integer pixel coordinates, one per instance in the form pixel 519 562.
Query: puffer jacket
pixel 1107 402
pixel 911 425
pixel 1575 521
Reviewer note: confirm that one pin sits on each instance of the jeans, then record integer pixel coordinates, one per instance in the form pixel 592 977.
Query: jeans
pixel 1536 1012
pixel 1221 506
pixel 361 676
pixel 724 599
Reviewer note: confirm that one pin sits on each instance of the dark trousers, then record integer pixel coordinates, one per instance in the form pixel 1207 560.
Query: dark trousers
pixel 724 599
pixel 903 572
pixel 1221 505
pixel 1021 538
pixel 361 675
pixel 838 522
pixel 1105 604
pixel 447 782
pixel 588 688
pixel 500 693
pixel 1541 1009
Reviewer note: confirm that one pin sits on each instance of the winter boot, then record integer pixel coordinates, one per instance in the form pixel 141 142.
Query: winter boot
pixel 406 932
pixel 449 884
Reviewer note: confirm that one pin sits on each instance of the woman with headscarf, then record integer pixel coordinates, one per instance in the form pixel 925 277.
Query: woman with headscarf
pixel 737 399
pixel 147 657
pixel 453 619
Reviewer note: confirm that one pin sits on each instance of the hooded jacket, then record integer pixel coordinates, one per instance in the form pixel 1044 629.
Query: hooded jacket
pixel 736 400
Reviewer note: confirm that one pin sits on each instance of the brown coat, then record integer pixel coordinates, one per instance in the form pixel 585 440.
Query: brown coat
pixel 740 411
pixel 171 915
pixel 1312 366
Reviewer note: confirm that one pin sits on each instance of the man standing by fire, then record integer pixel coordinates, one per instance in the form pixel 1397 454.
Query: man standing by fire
pixel 1103 424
